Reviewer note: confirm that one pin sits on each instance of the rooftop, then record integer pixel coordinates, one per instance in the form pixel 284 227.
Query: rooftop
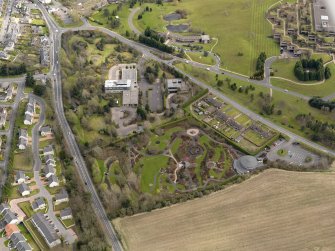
pixel 324 15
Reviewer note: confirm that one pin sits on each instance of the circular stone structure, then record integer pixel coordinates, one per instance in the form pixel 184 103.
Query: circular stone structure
pixel 246 164
pixel 194 150
pixel 192 132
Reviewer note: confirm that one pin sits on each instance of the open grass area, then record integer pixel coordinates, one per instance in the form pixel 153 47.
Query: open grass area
pixel 150 167
pixel 26 208
pixel 199 57
pixel 324 89
pixel 103 19
pixel 240 26
pixel 68 223
pixel 23 160
pixel 284 68
pixel 276 209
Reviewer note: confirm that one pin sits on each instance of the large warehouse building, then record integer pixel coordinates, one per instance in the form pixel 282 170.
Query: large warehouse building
pixel 324 15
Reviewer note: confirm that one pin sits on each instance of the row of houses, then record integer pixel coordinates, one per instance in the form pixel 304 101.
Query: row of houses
pixel 50 165
pixel 30 112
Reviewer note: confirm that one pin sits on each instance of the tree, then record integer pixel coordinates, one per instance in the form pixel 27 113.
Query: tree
pixel 106 12
pixel 141 112
pixel 328 73
pixel 39 90
pixel 30 81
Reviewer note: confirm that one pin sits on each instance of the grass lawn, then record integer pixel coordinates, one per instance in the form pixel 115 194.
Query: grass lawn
pixel 249 35
pixel 26 208
pixel 159 143
pixel 199 57
pixel 23 160
pixel 68 223
pixel 61 206
pixel 175 145
pixel 36 235
pixel 122 14
pixel 24 231
pixel 150 172
pixel 325 89
pixel 284 68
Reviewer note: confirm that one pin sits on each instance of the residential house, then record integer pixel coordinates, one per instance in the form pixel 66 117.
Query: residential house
pixel 29 110
pixel 49 170
pixel 11 229
pixel 38 204
pixel 49 160
pixel 3 207
pixel 3 116
pixel 20 177
pixel 53 181
pixel 24 189
pixel 48 150
pixel 9 217
pixel 66 214
pixel 23 139
pixel 19 242
pixel 45 228
pixel 46 131
pixel 205 39
pixel 61 197
pixel 28 119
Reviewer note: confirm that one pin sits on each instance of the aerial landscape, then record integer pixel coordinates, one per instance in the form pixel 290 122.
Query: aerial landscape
pixel 167 125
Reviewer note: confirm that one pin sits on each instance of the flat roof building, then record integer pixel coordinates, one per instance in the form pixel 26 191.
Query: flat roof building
pixel 324 15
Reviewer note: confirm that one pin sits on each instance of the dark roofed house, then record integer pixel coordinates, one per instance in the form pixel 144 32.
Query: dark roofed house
pixel 20 177
pixel 66 214
pixel 28 119
pixel 24 189
pixel 46 230
pixel 61 197
pixel 48 150
pixel 16 238
pixel 45 131
pixel 53 181
pixel 3 207
pixel 9 217
pixel 23 246
pixel 49 170
pixel 38 204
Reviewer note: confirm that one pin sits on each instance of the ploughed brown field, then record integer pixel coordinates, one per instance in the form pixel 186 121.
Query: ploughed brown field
pixel 276 210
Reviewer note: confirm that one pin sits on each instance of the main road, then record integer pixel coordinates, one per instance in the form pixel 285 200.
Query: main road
pixel 56 33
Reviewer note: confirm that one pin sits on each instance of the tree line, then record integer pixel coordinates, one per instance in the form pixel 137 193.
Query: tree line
pixel 12 70
pixel 153 39
pixel 311 69
pixel 259 74
pixel 321 104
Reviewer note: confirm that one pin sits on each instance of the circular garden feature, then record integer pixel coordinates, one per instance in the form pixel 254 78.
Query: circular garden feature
pixel 311 70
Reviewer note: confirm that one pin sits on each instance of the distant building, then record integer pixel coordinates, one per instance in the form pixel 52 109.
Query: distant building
pixel 45 228
pixel 24 189
pixel 324 16
pixel 20 177
pixel 38 204
pixel 46 131
pixel 246 164
pixel 66 214
pixel 125 83
pixel 175 85
pixel 49 170
pixel 23 139
pixel 48 150
pixel 61 197
pixel 53 181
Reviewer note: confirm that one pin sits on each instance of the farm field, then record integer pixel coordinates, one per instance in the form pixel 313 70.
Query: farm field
pixel 275 209
pixel 247 36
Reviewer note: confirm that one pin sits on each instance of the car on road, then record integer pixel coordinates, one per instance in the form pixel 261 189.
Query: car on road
pixel 207 69
pixel 285 90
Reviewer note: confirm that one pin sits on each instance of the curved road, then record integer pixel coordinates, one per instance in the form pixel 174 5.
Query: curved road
pixel 56 32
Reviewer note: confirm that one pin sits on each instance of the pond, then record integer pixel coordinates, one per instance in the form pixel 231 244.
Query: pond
pixel 172 16
pixel 177 28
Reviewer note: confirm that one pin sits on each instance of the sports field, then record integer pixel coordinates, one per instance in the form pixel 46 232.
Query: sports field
pixel 276 209
pixel 239 25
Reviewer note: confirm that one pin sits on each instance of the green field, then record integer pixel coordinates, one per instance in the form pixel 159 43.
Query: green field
pixel 23 160
pixel 239 25
pixel 122 14
pixel 151 166
pixel 324 89
pixel 284 68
